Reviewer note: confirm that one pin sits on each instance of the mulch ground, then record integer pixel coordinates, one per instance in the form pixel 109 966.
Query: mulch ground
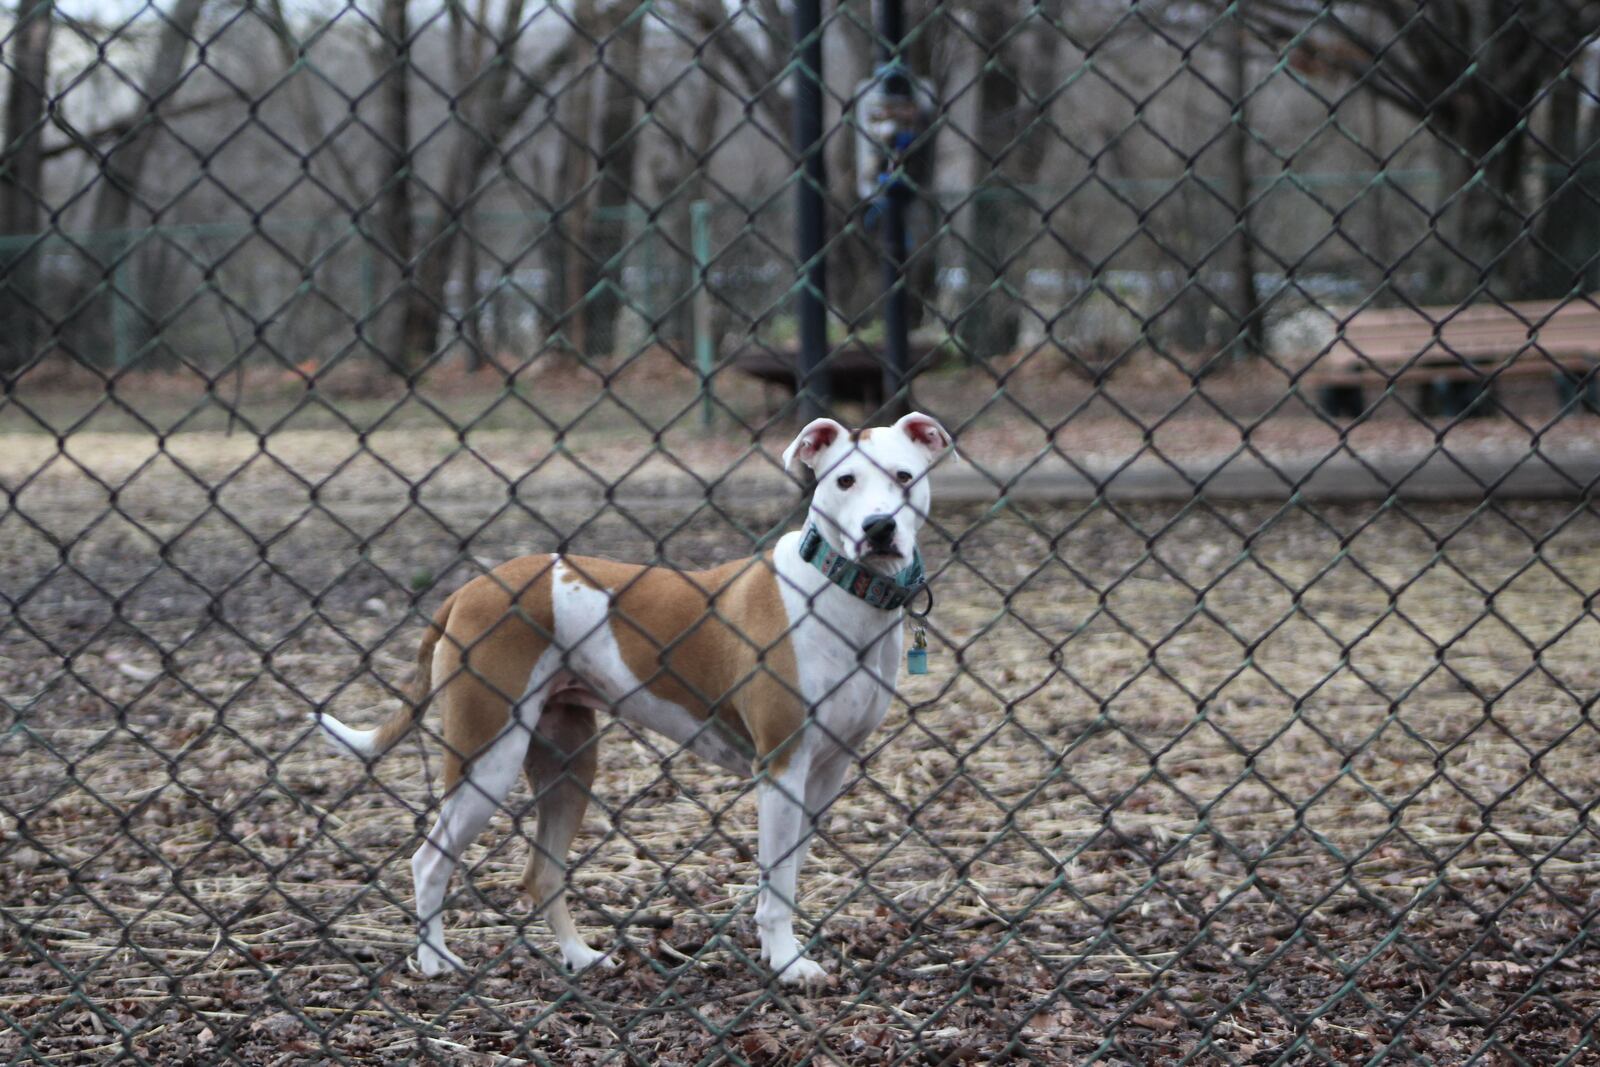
pixel 1247 784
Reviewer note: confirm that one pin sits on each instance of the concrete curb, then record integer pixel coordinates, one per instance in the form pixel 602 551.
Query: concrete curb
pixel 1436 477
pixel 1441 477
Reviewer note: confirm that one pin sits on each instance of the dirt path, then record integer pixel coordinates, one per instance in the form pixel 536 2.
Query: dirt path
pixel 1186 778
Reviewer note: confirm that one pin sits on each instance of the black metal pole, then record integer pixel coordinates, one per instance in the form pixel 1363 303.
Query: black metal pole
pixel 811 384
pixel 896 359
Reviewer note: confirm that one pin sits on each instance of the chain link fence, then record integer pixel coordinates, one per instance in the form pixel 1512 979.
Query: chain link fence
pixel 1258 725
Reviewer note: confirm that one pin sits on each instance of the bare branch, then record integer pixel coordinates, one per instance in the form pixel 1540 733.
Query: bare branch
pixel 123 168
pixel 290 50
pixel 86 140
pixel 754 71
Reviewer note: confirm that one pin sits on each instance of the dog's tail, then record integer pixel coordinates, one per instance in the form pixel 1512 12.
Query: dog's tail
pixel 369 744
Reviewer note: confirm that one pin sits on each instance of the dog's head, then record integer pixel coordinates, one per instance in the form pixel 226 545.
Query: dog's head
pixel 872 490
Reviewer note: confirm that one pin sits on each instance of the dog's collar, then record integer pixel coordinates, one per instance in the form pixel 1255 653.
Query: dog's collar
pixel 886 592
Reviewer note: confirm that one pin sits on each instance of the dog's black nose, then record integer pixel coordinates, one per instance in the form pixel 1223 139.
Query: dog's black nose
pixel 879 530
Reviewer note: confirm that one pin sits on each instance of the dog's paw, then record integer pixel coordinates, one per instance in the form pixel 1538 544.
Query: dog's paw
pixel 431 962
pixel 581 958
pixel 801 971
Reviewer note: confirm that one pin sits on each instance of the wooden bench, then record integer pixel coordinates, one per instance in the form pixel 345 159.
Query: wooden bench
pixel 1455 353
pixel 854 371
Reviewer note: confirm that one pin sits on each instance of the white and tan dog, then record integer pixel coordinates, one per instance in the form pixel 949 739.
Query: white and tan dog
pixel 765 666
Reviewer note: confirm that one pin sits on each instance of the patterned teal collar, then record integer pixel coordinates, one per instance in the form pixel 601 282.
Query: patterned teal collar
pixel 887 592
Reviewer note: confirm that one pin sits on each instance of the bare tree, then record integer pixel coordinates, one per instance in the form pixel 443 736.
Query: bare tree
pixel 391 59
pixel 314 133
pixel 750 53
pixel 1249 339
pixel 1472 71
pixel 1014 83
pixel 120 191
pixel 616 141
pixel 122 167
pixel 22 180
pixel 1569 207
pixel 493 93
pixel 855 280
pixel 572 201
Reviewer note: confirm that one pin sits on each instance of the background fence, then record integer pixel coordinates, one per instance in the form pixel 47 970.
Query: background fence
pixel 1260 727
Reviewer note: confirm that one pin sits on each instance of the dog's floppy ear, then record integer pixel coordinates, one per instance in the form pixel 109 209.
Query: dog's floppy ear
pixel 818 436
pixel 926 433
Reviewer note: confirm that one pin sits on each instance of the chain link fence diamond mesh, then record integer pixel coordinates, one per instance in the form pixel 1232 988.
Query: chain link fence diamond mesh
pixel 1258 725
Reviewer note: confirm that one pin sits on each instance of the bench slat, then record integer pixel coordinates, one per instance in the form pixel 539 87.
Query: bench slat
pixel 1466 342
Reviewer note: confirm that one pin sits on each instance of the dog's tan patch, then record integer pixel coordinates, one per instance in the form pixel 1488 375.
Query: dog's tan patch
pixel 499 626
pixel 713 642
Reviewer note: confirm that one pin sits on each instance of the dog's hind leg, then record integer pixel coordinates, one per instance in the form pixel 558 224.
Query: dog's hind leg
pixel 485 749
pixel 560 766
pixel 463 815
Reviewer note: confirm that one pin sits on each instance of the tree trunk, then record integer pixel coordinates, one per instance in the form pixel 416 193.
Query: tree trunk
pixel 1481 227
pixel 123 170
pixel 678 176
pixel 855 262
pixel 572 201
pixel 1568 220
pixel 491 110
pixel 1381 237
pixel 121 178
pixel 1013 144
pixel 1474 72
pixel 988 322
pixel 404 336
pixel 607 232
pixel 957 212
pixel 472 309
pixel 924 215
pixel 22 183
pixel 1248 332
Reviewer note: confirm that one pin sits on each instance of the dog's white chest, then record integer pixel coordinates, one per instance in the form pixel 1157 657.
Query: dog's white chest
pixel 857 704
pixel 848 654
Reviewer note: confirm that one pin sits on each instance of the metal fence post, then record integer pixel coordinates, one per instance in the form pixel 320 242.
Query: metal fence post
pixel 811 385
pixel 700 241
pixel 891 31
pixel 369 283
pixel 121 309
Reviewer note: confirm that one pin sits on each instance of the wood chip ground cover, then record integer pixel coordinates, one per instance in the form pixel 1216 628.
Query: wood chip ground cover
pixel 1185 784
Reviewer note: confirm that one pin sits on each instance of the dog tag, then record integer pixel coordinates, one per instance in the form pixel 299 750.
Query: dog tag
pixel 917 654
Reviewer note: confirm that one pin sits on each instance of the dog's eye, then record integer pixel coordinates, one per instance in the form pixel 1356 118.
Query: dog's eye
pixel 903 477
pixel 846 481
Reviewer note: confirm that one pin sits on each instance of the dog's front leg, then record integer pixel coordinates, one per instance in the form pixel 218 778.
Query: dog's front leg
pixel 827 775
pixel 783 826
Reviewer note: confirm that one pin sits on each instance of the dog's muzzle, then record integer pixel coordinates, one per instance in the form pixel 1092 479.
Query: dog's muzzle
pixel 880 531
